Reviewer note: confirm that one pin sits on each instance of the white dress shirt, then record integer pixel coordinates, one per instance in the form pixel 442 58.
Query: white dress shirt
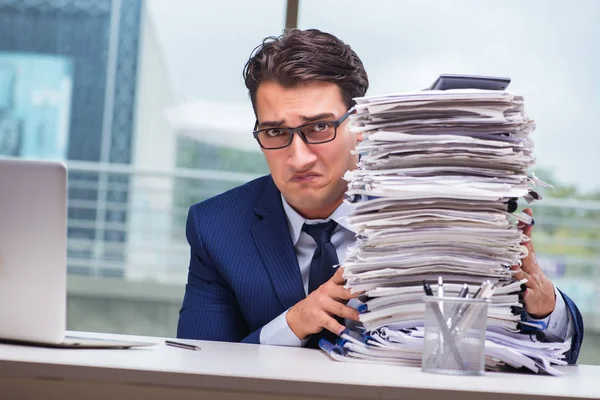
pixel 277 332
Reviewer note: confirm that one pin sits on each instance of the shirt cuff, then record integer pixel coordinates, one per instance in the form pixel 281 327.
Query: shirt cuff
pixel 278 333
pixel 560 322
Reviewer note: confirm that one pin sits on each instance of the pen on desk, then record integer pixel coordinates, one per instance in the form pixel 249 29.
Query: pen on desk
pixel 181 345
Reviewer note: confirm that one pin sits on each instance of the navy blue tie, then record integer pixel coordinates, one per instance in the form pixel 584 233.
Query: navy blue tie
pixel 325 256
pixel 321 269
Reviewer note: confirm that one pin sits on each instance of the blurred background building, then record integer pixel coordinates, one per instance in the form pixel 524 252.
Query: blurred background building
pixel 145 102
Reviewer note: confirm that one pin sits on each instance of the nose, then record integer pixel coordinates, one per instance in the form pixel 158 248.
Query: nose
pixel 301 157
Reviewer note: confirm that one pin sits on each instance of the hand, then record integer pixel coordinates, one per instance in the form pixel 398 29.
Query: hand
pixel 539 298
pixel 318 309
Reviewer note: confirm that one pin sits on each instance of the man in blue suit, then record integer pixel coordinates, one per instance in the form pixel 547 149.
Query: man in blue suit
pixel 261 254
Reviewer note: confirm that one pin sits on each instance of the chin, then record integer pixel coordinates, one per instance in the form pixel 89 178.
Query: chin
pixel 316 201
pixel 302 199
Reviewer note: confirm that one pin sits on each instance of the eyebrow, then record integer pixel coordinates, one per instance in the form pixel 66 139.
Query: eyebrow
pixel 303 117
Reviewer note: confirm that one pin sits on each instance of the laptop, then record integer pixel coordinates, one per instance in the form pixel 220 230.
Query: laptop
pixel 33 257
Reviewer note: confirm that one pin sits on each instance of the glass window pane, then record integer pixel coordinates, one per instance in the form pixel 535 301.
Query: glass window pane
pixel 146 103
pixel 551 52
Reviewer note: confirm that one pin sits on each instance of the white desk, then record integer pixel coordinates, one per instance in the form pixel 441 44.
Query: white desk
pixel 236 371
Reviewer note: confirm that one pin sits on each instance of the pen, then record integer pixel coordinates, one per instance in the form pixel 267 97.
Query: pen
pixel 458 308
pixel 440 292
pixel 427 289
pixel 181 345
pixel 464 291
pixel 446 334
pixel 486 291
pixel 465 307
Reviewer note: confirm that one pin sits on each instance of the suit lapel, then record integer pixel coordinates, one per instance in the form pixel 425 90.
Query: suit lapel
pixel 274 244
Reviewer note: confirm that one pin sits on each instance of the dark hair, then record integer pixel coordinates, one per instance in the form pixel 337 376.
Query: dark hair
pixel 300 56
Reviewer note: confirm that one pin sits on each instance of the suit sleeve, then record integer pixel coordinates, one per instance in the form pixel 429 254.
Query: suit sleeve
pixel 565 322
pixel 209 310
pixel 577 338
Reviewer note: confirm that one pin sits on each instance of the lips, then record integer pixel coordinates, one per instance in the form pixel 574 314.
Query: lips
pixel 305 178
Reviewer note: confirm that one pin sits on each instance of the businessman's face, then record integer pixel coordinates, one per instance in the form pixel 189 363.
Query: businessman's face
pixel 308 175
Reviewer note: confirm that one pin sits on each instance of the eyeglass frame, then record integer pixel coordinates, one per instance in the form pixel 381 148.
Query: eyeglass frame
pixel 298 130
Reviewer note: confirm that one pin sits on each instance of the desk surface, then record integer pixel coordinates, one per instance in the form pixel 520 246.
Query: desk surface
pixel 275 370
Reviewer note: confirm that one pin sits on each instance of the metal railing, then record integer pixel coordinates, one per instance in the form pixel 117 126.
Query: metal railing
pixel 142 234
pixel 133 227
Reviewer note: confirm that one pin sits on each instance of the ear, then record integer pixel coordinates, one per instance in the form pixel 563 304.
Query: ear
pixel 360 137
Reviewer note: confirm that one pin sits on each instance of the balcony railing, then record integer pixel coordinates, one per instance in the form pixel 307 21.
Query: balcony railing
pixel 130 223
pixel 132 227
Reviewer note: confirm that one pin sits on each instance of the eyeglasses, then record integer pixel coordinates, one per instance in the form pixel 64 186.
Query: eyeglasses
pixel 312 133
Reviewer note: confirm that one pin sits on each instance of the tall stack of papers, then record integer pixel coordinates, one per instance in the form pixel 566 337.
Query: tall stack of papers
pixel 440 175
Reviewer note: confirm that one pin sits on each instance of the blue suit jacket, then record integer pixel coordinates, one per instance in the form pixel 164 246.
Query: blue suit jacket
pixel 243 267
pixel 577 339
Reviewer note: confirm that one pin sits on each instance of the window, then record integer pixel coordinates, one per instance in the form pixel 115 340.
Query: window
pixel 552 55
pixel 146 103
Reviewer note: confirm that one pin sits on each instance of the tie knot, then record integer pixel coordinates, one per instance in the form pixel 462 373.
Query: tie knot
pixel 321 232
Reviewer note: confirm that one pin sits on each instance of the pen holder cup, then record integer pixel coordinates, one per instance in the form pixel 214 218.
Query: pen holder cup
pixel 454 335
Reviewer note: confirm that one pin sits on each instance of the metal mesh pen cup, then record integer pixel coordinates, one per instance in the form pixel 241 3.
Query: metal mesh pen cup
pixel 454 335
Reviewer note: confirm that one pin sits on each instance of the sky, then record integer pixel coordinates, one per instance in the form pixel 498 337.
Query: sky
pixel 550 50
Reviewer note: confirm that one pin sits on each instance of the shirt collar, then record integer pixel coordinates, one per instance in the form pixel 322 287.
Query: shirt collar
pixel 296 221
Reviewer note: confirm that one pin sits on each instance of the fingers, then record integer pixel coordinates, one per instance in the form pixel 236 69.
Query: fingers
pixel 527 229
pixel 529 262
pixel 527 294
pixel 335 287
pixel 529 259
pixel 331 307
pixel 520 274
pixel 340 309
pixel 339 292
pixel 338 277
pixel 333 326
pixel 329 301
